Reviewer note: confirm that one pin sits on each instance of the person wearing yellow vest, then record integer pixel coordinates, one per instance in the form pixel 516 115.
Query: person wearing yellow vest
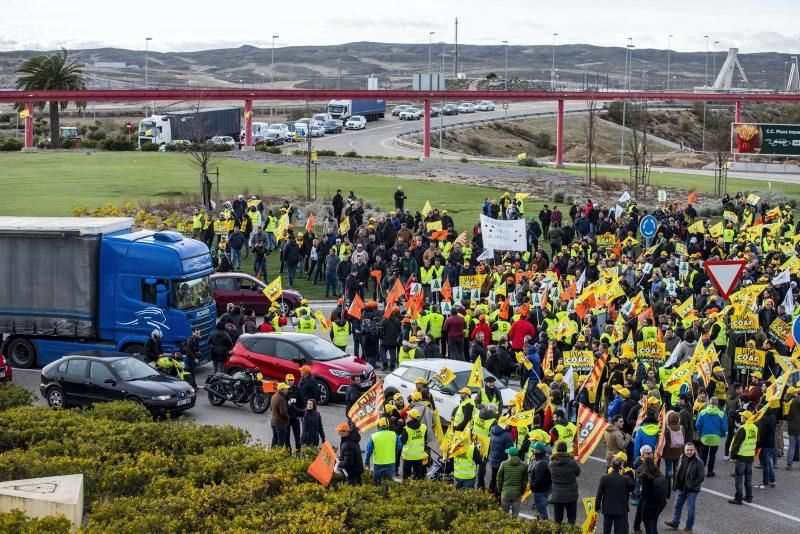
pixel 197 223
pixel 465 466
pixel 743 450
pixel 408 350
pixel 563 430
pixel 463 414
pixel 481 424
pixel 340 332
pixel 414 438
pixel 306 324
pixel 648 332
pixel 500 328
pixel 489 396
pixel 719 335
pixel 382 448
pixel 435 324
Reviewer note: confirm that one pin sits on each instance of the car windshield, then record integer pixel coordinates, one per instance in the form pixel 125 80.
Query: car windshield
pixel 462 378
pixel 132 369
pixel 321 350
pixel 275 127
pixel 188 294
pixel 330 123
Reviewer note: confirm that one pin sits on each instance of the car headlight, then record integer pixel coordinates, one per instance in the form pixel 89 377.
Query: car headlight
pixel 161 397
pixel 340 374
pixel 191 392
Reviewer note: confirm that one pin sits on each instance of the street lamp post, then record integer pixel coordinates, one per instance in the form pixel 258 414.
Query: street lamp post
pixel 441 109
pixel 553 67
pixel 714 69
pixel 626 85
pixel 505 77
pixel 669 51
pixel 272 73
pixel 146 73
pixel 705 82
pixel 430 48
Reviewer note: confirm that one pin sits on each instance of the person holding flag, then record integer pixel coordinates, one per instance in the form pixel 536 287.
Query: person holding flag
pixel 414 439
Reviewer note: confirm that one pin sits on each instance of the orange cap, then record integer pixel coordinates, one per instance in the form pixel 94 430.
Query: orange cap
pixel 305 369
pixel 343 427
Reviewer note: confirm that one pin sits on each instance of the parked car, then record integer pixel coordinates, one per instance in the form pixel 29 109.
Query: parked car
pixel 410 114
pixel 279 128
pixel 317 130
pixel 321 118
pixel 450 109
pixel 356 122
pixel 247 291
pixel 6 372
pixel 88 377
pixel 179 144
pixel 435 111
pixel 281 353
pixel 397 109
pixel 269 139
pixel 467 107
pixel 301 127
pixel 333 126
pixel 401 380
pixel 223 140
pixel 485 105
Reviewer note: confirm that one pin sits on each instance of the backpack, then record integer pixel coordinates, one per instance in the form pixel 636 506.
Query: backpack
pixel 675 437
pixel 661 488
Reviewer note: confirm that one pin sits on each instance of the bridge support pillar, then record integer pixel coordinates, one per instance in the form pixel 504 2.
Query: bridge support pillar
pixel 426 130
pixel 28 127
pixel 737 117
pixel 560 135
pixel 248 125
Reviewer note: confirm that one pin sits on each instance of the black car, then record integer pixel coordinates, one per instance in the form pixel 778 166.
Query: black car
pixel 87 377
pixel 450 109
pixel 332 126
pixel 269 139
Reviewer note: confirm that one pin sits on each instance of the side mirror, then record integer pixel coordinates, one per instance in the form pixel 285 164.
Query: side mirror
pixel 110 381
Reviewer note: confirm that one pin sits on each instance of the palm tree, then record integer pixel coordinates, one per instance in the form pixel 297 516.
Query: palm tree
pixel 52 72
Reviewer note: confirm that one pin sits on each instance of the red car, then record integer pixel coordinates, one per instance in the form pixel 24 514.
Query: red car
pixel 5 369
pixel 280 353
pixel 247 291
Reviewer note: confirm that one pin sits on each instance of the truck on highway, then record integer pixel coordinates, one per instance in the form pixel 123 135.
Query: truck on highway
pixel 372 110
pixel 190 125
pixel 83 283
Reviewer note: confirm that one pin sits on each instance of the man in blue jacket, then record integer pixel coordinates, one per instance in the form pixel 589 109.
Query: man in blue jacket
pixel 536 365
pixel 711 427
pixel 647 434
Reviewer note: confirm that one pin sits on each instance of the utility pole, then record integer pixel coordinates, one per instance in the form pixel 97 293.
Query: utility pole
pixel 669 51
pixel 272 74
pixel 505 77
pixel 714 70
pixel 553 66
pixel 705 83
pixel 430 47
pixel 146 74
pixel 441 109
pixel 455 54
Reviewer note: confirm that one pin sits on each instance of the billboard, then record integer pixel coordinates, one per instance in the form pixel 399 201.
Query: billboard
pixel 765 139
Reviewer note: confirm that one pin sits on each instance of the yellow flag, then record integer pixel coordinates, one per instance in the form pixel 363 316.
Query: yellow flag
pixel 521 196
pixel 522 155
pixel 716 230
pixel 273 290
pixel 696 228
pixel 344 227
pixel 24 114
pixel 590 523
pixel 681 376
pixel 323 321
pixel 683 309
pixel 521 419
pixel 434 226
pixel 476 376
pixel 426 209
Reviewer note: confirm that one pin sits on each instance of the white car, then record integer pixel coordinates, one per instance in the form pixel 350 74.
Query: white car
pixel 317 131
pixel 301 127
pixel 410 114
pixel 485 105
pixel 399 109
pixel 467 107
pixel 223 140
pixel 320 118
pixel 279 128
pixel 402 380
pixel 356 122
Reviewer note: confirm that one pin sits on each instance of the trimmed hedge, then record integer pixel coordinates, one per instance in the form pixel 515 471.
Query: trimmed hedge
pixel 12 396
pixel 164 477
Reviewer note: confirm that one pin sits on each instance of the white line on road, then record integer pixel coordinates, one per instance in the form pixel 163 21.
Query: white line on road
pixel 720 494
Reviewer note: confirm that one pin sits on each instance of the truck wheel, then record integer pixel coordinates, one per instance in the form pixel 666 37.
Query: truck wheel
pixel 135 349
pixel 22 353
pixel 324 393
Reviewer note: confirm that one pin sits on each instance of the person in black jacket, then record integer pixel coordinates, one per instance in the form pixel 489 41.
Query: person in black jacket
pixel 399 198
pixel 313 432
pixel 612 498
pixel 309 386
pixel 338 204
pixel 351 462
pixel 221 344
pixel 688 481
pixel 539 478
pixel 191 352
pixel 353 393
pixel 766 442
pixel 291 257
pixel 296 408
pixel 390 340
pixel 152 347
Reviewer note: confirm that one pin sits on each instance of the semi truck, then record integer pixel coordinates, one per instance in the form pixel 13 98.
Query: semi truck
pixel 84 283
pixel 372 110
pixel 190 125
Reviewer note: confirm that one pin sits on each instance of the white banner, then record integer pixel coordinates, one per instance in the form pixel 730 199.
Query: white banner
pixel 504 235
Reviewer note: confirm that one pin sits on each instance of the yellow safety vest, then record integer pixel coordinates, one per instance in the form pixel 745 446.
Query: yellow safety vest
pixel 341 334
pixel 485 400
pixel 220 227
pixel 722 337
pixel 649 333
pixel 197 221
pixel 728 235
pixel 435 324
pixel 274 323
pixel 748 446
pixel 271 225
pixel 307 326
pixel 566 433
pixel 464 467
pixel 255 218
pixel 385 447
pixel 480 427
pixel 459 417
pixel 503 327
pixel 403 355
pixel 414 448
pixel 426 275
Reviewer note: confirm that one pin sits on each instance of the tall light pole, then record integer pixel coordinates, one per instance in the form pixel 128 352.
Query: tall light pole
pixel 272 64
pixel 628 59
pixel 441 109
pixel 705 83
pixel 430 48
pixel 669 51
pixel 146 73
pixel 714 69
pixel 505 77
pixel 553 66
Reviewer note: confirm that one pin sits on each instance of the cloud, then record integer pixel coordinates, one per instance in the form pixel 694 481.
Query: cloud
pixel 8 43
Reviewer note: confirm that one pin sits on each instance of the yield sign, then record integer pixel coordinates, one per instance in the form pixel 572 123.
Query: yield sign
pixel 724 274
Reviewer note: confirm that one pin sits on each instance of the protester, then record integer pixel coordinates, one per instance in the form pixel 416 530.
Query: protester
pixel 564 472
pixel 688 482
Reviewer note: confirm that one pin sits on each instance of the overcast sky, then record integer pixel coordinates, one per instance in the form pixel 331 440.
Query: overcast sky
pixel 180 25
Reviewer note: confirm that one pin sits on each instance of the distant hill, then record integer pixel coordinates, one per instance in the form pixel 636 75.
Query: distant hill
pixel 393 64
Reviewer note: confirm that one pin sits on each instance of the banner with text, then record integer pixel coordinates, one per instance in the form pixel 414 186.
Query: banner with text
pixel 504 235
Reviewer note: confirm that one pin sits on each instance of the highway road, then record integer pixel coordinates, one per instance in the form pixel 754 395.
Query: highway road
pixel 773 510
pixel 378 139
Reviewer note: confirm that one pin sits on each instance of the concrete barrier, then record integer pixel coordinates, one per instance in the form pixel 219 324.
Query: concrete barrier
pixel 46 496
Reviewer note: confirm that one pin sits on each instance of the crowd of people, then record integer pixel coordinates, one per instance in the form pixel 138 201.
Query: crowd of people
pixel 633 329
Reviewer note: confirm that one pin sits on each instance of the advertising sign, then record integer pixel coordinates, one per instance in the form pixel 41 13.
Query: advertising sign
pixel 765 139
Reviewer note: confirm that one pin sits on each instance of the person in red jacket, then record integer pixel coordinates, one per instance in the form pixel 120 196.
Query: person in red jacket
pixel 484 327
pixel 519 330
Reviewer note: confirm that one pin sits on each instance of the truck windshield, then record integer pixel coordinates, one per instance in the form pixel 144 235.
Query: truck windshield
pixel 146 127
pixel 188 294
pixel 335 109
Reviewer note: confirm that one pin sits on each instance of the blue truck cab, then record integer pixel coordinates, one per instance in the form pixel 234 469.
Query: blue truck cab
pixel 95 284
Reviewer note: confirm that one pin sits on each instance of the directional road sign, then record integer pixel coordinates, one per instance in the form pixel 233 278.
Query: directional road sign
pixel 648 226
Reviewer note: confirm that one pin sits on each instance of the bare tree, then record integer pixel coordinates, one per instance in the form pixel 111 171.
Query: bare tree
pixel 201 152
pixel 589 130
pixel 637 146
pixel 718 141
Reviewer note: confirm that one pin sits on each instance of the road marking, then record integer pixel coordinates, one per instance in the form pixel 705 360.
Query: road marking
pixel 720 494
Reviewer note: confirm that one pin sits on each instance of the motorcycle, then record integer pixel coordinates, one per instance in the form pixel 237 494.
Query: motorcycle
pixel 172 365
pixel 242 388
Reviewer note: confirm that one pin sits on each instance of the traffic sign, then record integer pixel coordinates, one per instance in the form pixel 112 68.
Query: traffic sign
pixel 648 226
pixel 505 105
pixel 724 274
pixel 129 126
pixel 796 330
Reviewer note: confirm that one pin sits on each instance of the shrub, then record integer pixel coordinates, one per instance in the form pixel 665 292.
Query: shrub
pixel 11 145
pixel 296 152
pixel 16 521
pixel 464 160
pixel 528 162
pixel 542 140
pixel 558 196
pixel 95 134
pixel 87 143
pixel 351 154
pixel 12 396
pixel 606 184
pixel 118 144
pixel 615 111
pixel 268 149
pixel 326 153
pixel 5 117
pixel 478 144
pixel 149 147
pixel 222 147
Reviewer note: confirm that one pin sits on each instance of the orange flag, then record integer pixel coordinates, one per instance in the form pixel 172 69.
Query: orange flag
pixel 377 274
pixel 447 290
pixel 439 235
pixel 692 198
pixel 789 341
pixel 356 306
pixel 322 467
pixel 310 223
pixel 395 293
pixel 548 358
pixel 504 310
pixel 416 304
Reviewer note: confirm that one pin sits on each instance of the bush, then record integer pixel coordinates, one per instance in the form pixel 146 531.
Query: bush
pixel 89 144
pixel 558 196
pixel 5 117
pixel 615 111
pixel 18 522
pixel 222 147
pixel 118 144
pixel 11 145
pixel 542 140
pixel 12 396
pixel 95 134
pixel 351 154
pixel 149 147
pixel 268 149
pixel 528 162
pixel 326 153
pixel 464 160
pixel 297 152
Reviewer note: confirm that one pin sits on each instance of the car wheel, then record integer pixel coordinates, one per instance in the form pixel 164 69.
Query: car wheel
pixel 285 307
pixel 135 400
pixel 135 349
pixel 21 353
pixel 55 398
pixel 259 401
pixel 214 397
pixel 324 393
